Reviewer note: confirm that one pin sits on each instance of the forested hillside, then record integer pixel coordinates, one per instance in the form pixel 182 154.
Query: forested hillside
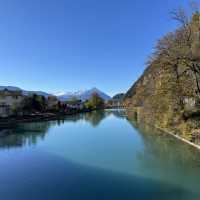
pixel 167 95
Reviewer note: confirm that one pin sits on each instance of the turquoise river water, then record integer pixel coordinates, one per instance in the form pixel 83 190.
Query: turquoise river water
pixel 101 155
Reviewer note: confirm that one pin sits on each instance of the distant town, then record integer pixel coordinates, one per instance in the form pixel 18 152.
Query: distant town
pixel 16 103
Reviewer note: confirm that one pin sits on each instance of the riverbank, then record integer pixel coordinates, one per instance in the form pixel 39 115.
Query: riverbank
pixel 134 115
pixel 179 137
pixel 14 120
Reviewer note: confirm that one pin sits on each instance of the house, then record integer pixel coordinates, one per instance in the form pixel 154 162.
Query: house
pixel 9 100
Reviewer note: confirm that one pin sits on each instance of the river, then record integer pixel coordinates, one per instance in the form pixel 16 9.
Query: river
pixel 101 155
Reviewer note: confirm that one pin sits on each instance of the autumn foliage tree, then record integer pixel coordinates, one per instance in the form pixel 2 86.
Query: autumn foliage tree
pixel 181 49
pixel 96 102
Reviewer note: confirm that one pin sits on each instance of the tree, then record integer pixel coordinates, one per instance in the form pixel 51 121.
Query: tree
pixel 34 103
pixel 39 103
pixel 88 105
pixel 96 102
pixel 59 105
pixel 181 48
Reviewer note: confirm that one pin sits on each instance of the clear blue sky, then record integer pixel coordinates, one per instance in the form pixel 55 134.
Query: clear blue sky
pixel 67 45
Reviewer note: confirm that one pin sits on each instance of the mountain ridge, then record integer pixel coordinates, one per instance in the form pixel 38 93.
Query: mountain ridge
pixel 24 92
pixel 83 95
pixel 62 96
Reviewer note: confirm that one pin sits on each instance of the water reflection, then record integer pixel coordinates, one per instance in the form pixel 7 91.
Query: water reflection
pixel 104 154
pixel 163 145
pixel 167 158
pixel 96 117
pixel 31 133
pixel 27 133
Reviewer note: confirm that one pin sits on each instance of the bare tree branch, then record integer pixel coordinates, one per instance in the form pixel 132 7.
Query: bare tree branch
pixel 180 16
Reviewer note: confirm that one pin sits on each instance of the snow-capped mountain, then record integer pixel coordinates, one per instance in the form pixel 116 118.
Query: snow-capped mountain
pixel 62 96
pixel 65 96
pixel 88 94
pixel 82 95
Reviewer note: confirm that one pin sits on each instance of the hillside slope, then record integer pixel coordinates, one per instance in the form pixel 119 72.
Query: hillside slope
pixel 167 94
